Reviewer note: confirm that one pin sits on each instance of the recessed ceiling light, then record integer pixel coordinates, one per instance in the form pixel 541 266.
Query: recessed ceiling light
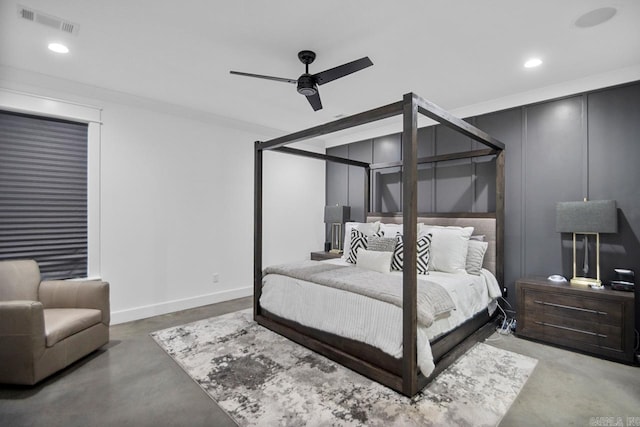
pixel 58 48
pixel 533 62
pixel 596 17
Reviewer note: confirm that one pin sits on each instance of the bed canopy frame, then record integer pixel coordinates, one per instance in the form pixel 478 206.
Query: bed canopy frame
pixel 406 379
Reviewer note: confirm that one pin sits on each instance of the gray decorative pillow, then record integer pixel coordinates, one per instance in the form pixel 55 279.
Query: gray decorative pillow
pixel 381 244
pixel 475 256
pixel 359 240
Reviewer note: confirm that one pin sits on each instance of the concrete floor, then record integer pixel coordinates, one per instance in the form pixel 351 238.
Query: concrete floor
pixel 132 382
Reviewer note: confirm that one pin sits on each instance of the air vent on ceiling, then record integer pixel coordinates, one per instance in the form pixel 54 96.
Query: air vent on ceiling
pixel 48 20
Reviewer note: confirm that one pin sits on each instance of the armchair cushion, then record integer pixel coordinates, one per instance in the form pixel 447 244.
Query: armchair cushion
pixel 60 323
pixel 76 294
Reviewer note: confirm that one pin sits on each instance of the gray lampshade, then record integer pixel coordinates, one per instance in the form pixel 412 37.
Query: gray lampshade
pixel 336 214
pixel 594 216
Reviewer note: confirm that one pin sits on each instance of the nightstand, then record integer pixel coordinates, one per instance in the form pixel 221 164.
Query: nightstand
pixel 319 256
pixel 599 322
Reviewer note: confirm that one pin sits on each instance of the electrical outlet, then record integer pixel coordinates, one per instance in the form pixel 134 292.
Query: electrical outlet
pixel 216 277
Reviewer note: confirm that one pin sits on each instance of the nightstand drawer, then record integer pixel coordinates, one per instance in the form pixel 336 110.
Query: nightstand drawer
pixel 580 308
pixel 560 331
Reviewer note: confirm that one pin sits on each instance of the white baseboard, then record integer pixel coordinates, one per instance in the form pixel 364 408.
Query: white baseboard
pixel 145 311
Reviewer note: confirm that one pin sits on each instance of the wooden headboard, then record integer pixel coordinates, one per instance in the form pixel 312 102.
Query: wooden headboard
pixel 482 223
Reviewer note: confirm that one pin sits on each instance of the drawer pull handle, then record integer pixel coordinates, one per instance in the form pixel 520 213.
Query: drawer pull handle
pixel 571 329
pixel 570 307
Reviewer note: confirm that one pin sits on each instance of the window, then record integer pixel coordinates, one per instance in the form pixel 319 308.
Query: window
pixel 43 193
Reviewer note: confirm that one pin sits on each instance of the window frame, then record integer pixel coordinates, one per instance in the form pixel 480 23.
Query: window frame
pixel 21 102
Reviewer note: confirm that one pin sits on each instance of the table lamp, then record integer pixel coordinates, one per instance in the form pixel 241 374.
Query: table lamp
pixel 587 218
pixel 336 216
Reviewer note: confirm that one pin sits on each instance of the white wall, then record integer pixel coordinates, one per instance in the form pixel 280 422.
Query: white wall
pixel 293 207
pixel 177 204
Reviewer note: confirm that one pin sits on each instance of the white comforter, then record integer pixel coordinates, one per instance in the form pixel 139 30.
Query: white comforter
pixel 372 321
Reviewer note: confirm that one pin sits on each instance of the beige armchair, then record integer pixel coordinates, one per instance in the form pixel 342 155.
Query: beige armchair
pixel 45 326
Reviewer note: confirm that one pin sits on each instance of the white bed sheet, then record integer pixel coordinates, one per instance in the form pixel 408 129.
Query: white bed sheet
pixel 372 321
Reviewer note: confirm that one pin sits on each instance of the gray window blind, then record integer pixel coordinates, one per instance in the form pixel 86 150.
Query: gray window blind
pixel 43 193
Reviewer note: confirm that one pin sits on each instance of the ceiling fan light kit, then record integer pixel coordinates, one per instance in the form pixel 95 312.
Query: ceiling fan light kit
pixel 307 84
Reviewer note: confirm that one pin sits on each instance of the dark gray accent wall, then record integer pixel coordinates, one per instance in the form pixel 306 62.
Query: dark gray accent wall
pixel 553 143
pixel 614 172
pixel 507 126
pixel 586 145
pixel 337 189
pixel 454 192
pixel 387 183
pixel 426 183
pixel 361 151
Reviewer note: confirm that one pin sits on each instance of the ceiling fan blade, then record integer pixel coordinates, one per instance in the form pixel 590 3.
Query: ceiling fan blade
pixel 315 102
pixel 342 70
pixel 278 79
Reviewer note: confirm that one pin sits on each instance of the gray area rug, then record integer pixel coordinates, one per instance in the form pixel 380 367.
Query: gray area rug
pixel 262 379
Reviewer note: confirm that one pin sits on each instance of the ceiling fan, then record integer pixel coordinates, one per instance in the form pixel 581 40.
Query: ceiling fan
pixel 308 83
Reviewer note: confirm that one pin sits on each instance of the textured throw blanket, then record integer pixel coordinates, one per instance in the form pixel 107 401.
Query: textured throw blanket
pixel 433 299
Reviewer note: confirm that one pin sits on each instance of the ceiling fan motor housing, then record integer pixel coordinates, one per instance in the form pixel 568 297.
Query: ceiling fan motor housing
pixel 307 85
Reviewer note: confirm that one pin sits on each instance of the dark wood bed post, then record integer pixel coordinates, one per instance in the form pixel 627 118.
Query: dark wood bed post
pixel 257 229
pixel 500 190
pixel 410 229
pixel 367 193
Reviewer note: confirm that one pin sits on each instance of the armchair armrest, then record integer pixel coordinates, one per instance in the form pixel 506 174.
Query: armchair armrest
pixel 22 340
pixel 76 294
pixel 21 318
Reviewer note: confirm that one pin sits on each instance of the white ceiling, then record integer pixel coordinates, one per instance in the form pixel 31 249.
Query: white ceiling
pixel 455 53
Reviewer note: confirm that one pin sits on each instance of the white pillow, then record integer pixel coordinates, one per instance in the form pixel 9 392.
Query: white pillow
pixel 449 246
pixel 367 228
pixel 374 260
pixel 475 256
pixel 390 230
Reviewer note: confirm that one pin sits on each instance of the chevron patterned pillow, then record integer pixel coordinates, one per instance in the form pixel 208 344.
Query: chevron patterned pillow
pixel 398 254
pixel 423 247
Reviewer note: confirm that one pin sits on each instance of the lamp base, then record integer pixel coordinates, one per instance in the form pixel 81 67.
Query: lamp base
pixel 585 282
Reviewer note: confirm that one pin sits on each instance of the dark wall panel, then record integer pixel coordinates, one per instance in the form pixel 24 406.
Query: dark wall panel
pixel 426 183
pixel 614 172
pixel 450 141
pixel 484 184
pixel 507 127
pixel 337 187
pixel 363 152
pixel 454 192
pixel 387 183
pixel 387 149
pixel 337 182
pixel 426 142
pixel 553 169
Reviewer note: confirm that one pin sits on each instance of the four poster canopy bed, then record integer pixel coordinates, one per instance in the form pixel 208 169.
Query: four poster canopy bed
pixel 400 328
